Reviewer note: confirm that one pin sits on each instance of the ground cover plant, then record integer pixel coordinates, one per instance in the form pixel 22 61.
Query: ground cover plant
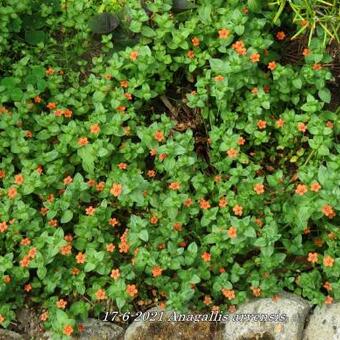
pixel 163 151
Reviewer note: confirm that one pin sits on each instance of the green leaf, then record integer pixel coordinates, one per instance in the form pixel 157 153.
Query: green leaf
pixel 325 95
pixel 297 83
pixel 239 29
pixel 103 23
pixel 67 216
pixel 35 37
pixel 144 235
pixel 41 272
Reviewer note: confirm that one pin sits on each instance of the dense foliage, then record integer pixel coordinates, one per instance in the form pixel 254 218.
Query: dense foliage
pixel 173 158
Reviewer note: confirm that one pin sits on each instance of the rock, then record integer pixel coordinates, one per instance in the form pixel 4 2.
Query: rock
pixel 6 334
pixel 171 330
pixel 324 323
pixel 99 330
pixel 28 323
pixel 295 308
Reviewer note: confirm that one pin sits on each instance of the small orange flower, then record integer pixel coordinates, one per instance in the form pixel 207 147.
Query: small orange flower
pixel 261 124
pixel 280 35
pixel 188 202
pixel 68 113
pixel 223 202
pixel 115 274
pixel 256 291
pixel 159 136
pixel 75 271
pixel 131 290
pixel 44 316
pixel 90 211
pixel 156 271
pixel 241 141
pixel 259 188
pixel 83 141
pixel 162 156
pixel 80 258
pixel 228 293
pixel 223 33
pixel 68 330
pixel 221 270
pixel 66 250
pixel 32 253
pixel 191 54
pixel 24 242
pixel 121 108
pixel 317 67
pixel 327 286
pixel 53 223
pixel 110 247
pixel 68 180
pixel 95 128
pixel 151 173
pixel 255 57
pixel 154 220
pixel 91 183
pixel 207 300
pixel 330 124
pixel 328 261
pixel 328 211
pixel 177 226
pixel 272 65
pixel 302 127
pixel 7 279
pixel 315 186
pixel 195 41
pixel 219 78
pixel 174 186
pixel 101 294
pixel 49 71
pixel 238 210
pixel 239 47
pixel 153 152
pixel 61 304
pixel 254 90
pixel 68 238
pixel 328 300
pixel 280 122
pixel 301 189
pixel 28 287
pixel 12 192
pixel 2 174
pixel 100 186
pixel 206 257
pixel 306 52
pixel 116 189
pixel 232 153
pixel 124 83
pixel 2 319
pixel 3 227
pixel 113 221
pixel 133 55
pixel 128 96
pixel 29 134
pixel 51 105
pixel 232 232
pixel 37 99
pixel 312 257
pixel 204 204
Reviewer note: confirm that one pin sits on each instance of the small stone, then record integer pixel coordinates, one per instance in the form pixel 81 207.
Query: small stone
pixel 171 330
pixel 100 330
pixel 317 329
pixel 295 308
pixel 6 334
